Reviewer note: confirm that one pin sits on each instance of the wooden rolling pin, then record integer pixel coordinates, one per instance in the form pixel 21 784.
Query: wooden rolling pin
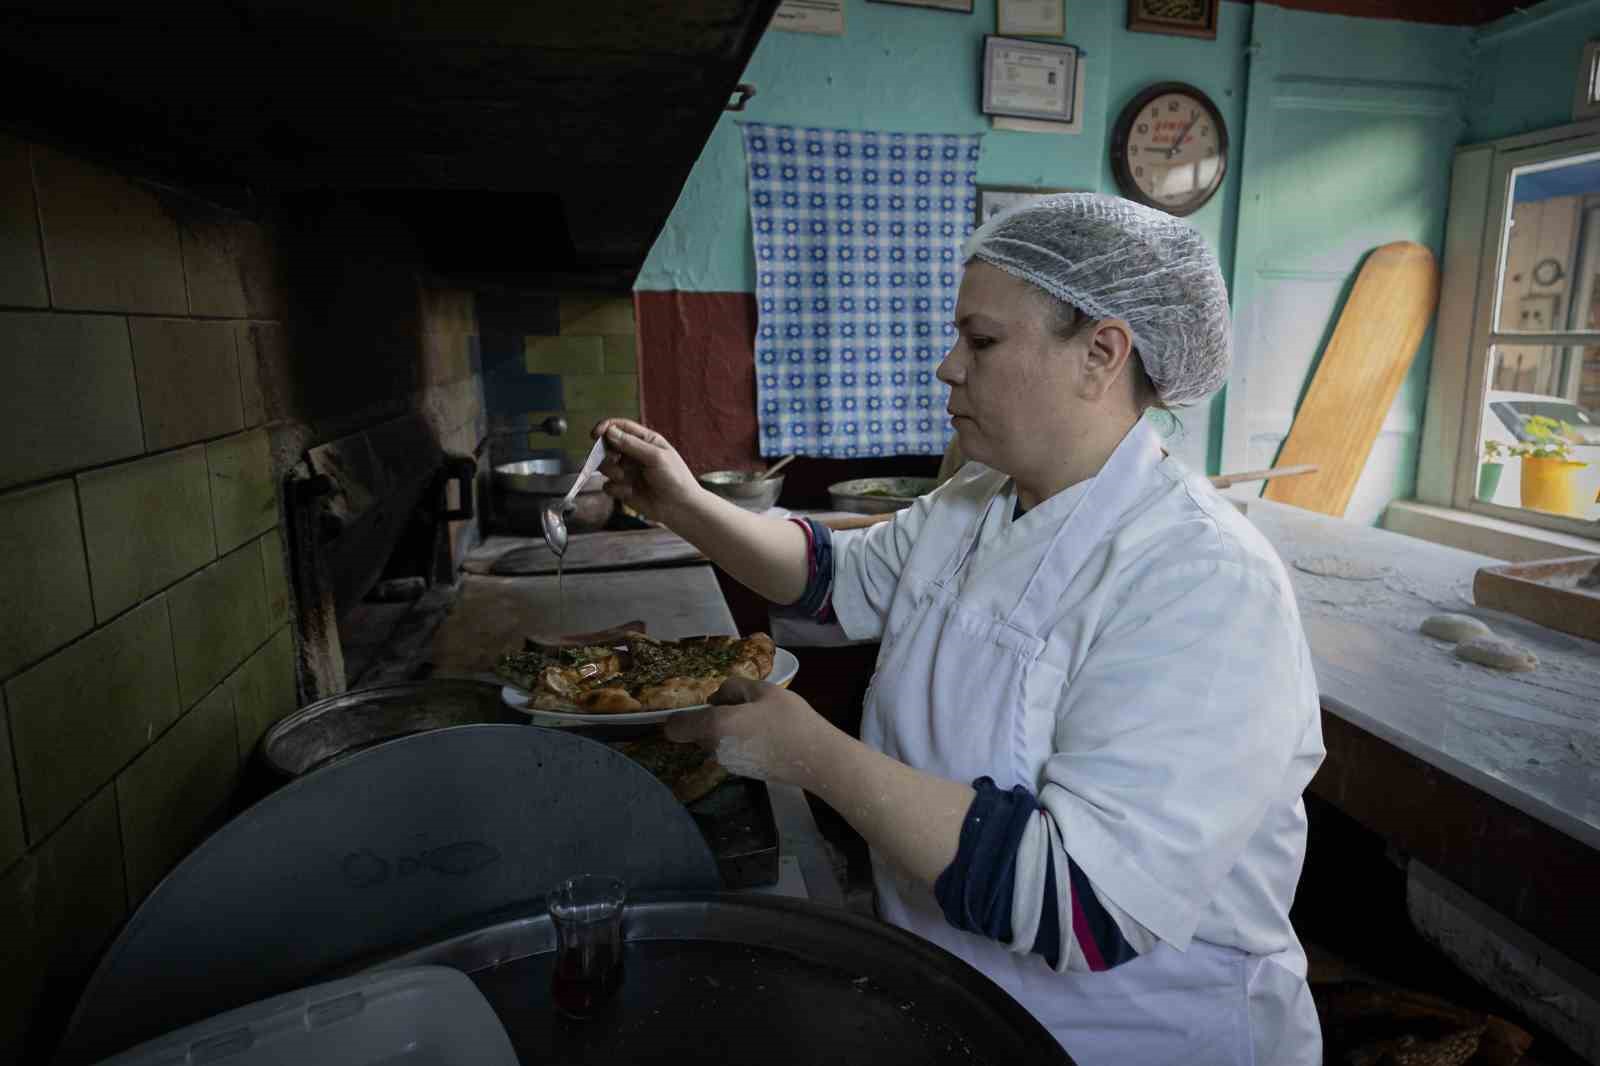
pixel 1221 481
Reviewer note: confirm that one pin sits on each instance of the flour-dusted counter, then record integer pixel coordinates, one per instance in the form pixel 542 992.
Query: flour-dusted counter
pixel 1490 778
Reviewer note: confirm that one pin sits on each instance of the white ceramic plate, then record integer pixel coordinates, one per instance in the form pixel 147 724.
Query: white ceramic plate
pixel 784 667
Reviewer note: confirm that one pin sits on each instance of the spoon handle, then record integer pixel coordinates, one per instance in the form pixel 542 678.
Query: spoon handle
pixel 777 466
pixel 597 454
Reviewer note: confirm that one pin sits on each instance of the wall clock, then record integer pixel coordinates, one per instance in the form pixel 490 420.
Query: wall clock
pixel 1169 148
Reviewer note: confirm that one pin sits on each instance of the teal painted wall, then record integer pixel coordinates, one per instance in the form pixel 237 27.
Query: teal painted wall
pixel 1351 129
pixel 916 70
pixel 1526 68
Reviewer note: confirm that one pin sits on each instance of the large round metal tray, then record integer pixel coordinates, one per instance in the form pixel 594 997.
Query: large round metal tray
pixel 330 729
pixel 879 495
pixel 719 978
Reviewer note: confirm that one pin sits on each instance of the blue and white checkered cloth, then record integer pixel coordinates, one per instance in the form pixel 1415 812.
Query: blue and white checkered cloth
pixel 857 244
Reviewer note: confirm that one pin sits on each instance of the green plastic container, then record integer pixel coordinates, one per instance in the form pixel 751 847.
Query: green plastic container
pixel 1489 480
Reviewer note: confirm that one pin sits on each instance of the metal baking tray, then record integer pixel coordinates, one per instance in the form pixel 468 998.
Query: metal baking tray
pixel 714 978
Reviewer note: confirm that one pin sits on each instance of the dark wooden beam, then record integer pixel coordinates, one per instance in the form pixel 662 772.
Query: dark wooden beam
pixel 1440 12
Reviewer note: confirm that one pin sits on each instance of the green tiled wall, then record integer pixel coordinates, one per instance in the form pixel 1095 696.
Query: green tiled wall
pixel 145 642
pixel 148 524
pixel 594 357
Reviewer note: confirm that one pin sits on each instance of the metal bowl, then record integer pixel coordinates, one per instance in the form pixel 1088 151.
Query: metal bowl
pixel 750 490
pixel 544 477
pixel 338 726
pixel 879 495
pixel 524 489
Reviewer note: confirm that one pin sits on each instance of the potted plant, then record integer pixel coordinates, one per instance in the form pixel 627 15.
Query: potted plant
pixel 1547 466
pixel 1494 456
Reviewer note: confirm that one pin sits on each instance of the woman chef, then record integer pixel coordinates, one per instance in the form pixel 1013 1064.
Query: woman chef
pixel 1083 751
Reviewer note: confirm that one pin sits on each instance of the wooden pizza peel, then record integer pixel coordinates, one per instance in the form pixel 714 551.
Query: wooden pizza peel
pixel 1358 376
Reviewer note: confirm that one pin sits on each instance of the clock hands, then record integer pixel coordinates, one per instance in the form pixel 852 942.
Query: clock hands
pixel 1179 142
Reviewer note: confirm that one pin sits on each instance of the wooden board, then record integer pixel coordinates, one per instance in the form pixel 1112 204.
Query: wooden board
pixel 1359 374
pixel 1546 592
pixel 587 551
pixel 495 614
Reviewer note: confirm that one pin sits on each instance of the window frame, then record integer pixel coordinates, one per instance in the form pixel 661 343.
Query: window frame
pixel 1586 97
pixel 1476 245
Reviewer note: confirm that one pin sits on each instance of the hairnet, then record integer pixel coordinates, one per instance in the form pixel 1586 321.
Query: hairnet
pixel 1113 258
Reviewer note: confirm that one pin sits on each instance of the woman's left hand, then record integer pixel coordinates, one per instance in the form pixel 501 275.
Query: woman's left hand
pixel 757 730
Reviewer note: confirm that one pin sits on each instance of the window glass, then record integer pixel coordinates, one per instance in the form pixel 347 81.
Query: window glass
pixel 1540 406
pixel 1551 262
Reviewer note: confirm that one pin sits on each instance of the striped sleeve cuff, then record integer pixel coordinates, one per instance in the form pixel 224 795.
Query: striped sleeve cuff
pixel 977 890
pixel 816 602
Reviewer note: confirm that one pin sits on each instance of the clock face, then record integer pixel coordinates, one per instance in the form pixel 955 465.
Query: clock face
pixel 1170 149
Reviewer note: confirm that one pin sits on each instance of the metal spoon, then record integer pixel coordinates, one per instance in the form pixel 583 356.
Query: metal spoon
pixel 553 519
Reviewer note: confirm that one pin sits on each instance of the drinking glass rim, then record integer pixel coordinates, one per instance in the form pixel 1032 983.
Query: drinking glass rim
pixel 602 886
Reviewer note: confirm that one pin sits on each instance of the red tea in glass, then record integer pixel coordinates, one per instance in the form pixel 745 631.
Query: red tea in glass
pixel 584 979
pixel 586 912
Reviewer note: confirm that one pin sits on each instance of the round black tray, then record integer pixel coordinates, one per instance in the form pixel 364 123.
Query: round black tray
pixel 720 978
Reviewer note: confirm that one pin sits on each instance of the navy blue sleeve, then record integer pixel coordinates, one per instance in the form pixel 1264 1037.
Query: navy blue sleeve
pixel 975 891
pixel 817 599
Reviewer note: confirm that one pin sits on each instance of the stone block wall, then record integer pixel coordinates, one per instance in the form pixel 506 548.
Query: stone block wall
pixel 571 353
pixel 145 639
pixel 155 390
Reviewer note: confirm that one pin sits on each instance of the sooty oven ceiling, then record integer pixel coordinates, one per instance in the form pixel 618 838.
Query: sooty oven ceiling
pixel 553 136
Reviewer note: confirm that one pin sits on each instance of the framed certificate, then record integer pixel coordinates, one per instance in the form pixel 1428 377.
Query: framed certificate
pixel 962 7
pixel 1185 18
pixel 825 17
pixel 993 199
pixel 1030 18
pixel 1029 79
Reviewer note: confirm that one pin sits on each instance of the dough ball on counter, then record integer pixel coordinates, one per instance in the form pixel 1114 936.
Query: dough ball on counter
pixel 1497 653
pixel 1343 567
pixel 1454 627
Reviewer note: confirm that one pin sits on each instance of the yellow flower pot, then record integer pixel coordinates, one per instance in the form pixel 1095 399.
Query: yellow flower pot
pixel 1547 484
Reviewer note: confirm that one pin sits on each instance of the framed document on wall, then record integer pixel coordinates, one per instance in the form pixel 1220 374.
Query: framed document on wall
pixel 1029 79
pixel 1030 18
pixel 993 199
pixel 825 17
pixel 1186 18
pixel 961 7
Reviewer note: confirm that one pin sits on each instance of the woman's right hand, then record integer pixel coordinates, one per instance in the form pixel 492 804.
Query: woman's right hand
pixel 644 471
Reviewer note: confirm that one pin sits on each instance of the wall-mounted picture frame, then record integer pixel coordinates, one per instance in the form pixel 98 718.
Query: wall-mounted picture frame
pixel 1030 18
pixel 993 199
pixel 1185 18
pixel 824 17
pixel 955 7
pixel 1029 79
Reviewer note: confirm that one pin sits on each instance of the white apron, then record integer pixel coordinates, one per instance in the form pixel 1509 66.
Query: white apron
pixel 929 706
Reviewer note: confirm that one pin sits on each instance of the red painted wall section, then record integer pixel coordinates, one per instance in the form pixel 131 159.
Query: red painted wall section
pixel 697 386
pixel 697 376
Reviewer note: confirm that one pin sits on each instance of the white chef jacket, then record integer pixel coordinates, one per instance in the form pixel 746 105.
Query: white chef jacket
pixel 1171 728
